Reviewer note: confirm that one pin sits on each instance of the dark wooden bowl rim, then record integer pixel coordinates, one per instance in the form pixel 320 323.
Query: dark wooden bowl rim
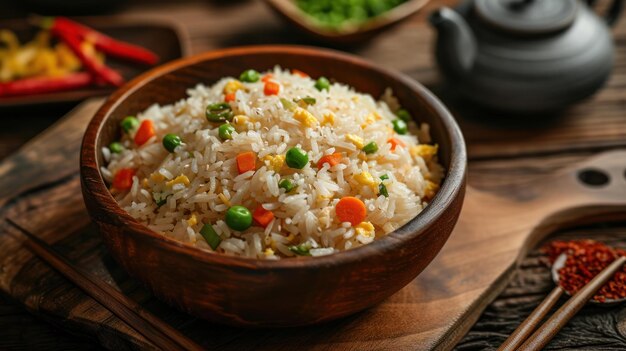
pixel 455 174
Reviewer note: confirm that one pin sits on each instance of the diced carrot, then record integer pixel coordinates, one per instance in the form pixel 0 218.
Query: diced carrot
pixel 267 78
pixel 332 160
pixel 262 216
pixel 246 161
pixel 395 143
pixel 123 179
pixel 271 88
pixel 145 132
pixel 229 97
pixel 350 209
pixel 299 73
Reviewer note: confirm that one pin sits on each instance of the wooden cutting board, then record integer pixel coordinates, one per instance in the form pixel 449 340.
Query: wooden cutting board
pixel 39 187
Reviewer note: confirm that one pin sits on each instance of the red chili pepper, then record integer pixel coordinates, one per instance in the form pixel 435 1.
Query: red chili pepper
pixel 100 70
pixel 106 44
pixel 41 85
pixel 585 259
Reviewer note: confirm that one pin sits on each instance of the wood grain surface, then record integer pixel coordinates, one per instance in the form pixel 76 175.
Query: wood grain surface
pixel 504 153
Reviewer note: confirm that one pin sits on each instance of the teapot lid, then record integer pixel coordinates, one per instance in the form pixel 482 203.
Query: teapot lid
pixel 527 16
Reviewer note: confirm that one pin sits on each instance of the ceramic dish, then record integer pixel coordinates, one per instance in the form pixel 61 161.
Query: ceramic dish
pixel 289 292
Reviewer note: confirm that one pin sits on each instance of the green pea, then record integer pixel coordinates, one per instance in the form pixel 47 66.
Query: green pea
pixel 225 131
pixel 219 112
pixel 210 235
pixel 250 76
pixel 171 142
pixel 286 184
pixel 404 115
pixel 129 123
pixel 238 218
pixel 116 147
pixel 322 84
pixel 400 126
pixel 370 148
pixel 296 158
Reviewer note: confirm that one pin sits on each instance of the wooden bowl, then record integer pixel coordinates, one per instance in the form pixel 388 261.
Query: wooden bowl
pixel 288 292
pixel 289 11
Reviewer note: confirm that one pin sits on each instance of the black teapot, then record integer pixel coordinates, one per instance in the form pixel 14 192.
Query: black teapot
pixel 524 56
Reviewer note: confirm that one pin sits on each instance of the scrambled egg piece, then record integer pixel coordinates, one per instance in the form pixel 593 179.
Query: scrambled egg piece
pixel 430 190
pixel 366 229
pixel 241 120
pixel 269 252
pixel 192 220
pixel 232 86
pixel 368 120
pixel 356 140
pixel 181 179
pixel 157 177
pixel 305 117
pixel 425 151
pixel 365 178
pixel 275 163
pixel 329 119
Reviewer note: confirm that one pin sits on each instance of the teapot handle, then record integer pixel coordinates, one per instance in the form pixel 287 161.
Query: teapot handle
pixel 613 13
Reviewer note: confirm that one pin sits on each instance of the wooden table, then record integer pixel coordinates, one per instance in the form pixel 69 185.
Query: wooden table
pixel 502 153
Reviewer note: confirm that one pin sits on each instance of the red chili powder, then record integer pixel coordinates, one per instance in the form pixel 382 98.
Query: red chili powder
pixel 585 259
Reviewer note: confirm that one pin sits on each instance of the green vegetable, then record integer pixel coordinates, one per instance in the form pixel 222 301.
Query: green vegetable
pixel 250 76
pixel 301 250
pixel 116 147
pixel 219 112
pixel 404 115
pixel 210 235
pixel 307 100
pixel 129 123
pixel 322 84
pixel 171 142
pixel 287 105
pixel 336 13
pixel 225 131
pixel 382 188
pixel 238 218
pixel 400 126
pixel 296 158
pixel 370 148
pixel 159 199
pixel 287 185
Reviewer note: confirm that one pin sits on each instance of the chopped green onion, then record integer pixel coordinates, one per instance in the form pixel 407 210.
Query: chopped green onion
pixel 301 250
pixel 400 126
pixel 129 123
pixel 322 83
pixel 219 112
pixel 287 105
pixel 382 190
pixel 250 76
pixel 404 115
pixel 296 158
pixel 307 100
pixel 370 148
pixel 116 147
pixel 287 185
pixel 171 142
pixel 159 199
pixel 225 131
pixel 384 177
pixel 210 235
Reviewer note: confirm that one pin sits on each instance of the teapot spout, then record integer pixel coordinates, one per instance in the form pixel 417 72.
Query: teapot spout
pixel 456 44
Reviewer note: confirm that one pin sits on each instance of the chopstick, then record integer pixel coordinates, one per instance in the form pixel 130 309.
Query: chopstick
pixel 532 321
pixel 155 330
pixel 540 338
